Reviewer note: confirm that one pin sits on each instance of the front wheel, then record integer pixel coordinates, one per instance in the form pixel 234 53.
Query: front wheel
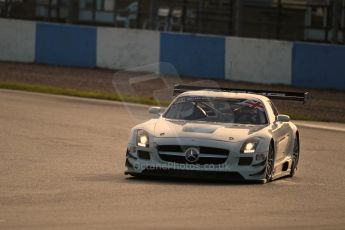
pixel 295 157
pixel 270 164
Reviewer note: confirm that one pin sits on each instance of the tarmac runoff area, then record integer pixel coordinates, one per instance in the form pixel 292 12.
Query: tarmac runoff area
pixel 62 164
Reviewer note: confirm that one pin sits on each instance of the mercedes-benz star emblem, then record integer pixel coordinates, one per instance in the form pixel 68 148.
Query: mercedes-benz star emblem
pixel 192 155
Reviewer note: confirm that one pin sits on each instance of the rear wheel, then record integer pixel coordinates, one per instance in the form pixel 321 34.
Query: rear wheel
pixel 295 157
pixel 270 164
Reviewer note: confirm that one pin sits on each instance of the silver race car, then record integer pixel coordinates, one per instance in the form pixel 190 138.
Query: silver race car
pixel 217 133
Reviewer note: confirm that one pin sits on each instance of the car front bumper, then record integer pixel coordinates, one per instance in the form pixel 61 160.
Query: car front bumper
pixel 237 166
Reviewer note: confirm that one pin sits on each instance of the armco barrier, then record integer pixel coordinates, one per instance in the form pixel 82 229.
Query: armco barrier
pixel 318 66
pixel 17 40
pixel 66 45
pixel 126 48
pixel 257 60
pixel 193 55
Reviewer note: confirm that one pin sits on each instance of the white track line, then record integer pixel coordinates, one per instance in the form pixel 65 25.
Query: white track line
pixel 323 127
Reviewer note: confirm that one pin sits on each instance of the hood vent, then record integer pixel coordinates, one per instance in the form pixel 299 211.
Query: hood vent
pixel 199 129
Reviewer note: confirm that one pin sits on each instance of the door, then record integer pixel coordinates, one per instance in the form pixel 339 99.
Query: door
pixel 281 134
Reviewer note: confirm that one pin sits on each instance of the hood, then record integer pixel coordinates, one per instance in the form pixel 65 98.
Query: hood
pixel 210 130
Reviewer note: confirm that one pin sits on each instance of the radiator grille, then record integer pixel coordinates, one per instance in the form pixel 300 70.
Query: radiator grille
pixel 208 155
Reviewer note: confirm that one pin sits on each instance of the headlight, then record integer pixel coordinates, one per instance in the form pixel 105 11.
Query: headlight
pixel 142 138
pixel 249 146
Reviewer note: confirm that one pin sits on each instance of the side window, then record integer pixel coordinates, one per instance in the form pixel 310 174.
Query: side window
pixel 275 111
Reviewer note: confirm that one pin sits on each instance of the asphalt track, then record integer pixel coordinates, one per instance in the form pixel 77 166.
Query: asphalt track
pixel 62 163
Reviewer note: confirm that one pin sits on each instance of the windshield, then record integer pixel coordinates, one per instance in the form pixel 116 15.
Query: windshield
pixel 226 110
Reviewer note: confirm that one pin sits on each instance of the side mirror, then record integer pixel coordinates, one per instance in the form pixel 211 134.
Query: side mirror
pixel 155 110
pixel 283 118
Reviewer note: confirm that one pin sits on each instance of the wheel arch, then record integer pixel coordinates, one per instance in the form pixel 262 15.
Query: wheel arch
pixel 297 136
pixel 273 144
pixel 298 140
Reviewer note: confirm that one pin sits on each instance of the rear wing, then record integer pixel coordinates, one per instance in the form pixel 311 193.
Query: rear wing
pixel 278 95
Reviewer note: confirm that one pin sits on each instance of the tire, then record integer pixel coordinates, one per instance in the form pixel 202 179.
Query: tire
pixel 295 157
pixel 270 164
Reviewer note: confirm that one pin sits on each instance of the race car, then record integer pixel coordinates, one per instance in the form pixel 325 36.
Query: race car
pixel 217 133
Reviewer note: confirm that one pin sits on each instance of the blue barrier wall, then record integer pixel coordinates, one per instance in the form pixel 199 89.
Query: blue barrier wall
pixel 65 45
pixel 318 66
pixel 193 55
pixel 311 65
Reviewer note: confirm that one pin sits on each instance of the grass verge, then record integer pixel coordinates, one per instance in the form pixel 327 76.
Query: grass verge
pixel 38 88
pixel 300 117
